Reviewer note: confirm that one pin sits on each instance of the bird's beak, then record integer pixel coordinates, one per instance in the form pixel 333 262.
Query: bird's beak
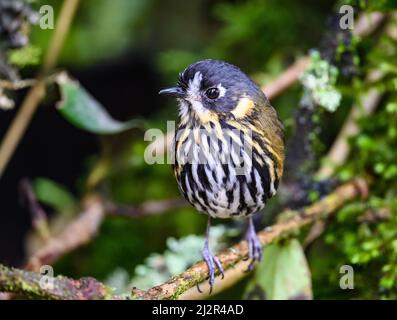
pixel 174 92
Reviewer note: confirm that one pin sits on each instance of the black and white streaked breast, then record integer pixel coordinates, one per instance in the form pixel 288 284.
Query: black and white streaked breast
pixel 211 175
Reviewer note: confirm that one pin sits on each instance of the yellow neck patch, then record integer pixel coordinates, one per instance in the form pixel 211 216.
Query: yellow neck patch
pixel 206 116
pixel 243 108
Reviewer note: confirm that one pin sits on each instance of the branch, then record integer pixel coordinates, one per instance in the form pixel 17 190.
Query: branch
pixel 368 23
pixel 232 258
pixel 84 228
pixel 34 285
pixel 39 217
pixel 182 286
pixel 286 79
pixel 16 85
pixel 78 232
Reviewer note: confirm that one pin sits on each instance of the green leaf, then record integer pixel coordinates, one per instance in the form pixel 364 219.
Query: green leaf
pixel 282 274
pixel 54 195
pixel 83 111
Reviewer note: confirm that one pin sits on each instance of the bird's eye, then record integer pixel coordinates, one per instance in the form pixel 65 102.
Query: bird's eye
pixel 212 93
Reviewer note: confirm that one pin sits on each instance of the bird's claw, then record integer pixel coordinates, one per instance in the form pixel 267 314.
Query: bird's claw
pixel 212 262
pixel 254 249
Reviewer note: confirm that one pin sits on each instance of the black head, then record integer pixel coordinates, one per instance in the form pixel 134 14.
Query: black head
pixel 214 85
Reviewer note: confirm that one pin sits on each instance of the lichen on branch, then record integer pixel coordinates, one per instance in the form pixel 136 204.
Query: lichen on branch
pixel 33 285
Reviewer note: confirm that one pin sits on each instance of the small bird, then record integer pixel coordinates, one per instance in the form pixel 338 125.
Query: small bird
pixel 228 149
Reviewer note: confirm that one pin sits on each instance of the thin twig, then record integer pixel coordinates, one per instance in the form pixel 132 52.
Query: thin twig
pixel 26 83
pixel 373 215
pixel 17 85
pixel 368 23
pixel 36 93
pixel 39 217
pixel 286 79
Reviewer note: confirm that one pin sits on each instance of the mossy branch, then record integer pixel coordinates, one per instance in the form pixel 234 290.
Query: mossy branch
pixel 183 286
pixel 33 285
pixel 232 259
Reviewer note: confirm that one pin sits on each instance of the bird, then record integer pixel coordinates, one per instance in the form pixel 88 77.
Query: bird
pixel 228 149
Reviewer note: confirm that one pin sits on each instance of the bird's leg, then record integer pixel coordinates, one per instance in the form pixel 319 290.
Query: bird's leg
pixel 254 245
pixel 211 260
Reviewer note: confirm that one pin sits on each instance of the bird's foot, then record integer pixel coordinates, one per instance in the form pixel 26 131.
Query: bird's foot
pixel 212 263
pixel 254 247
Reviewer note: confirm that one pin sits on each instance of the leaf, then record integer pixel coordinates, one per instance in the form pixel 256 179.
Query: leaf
pixel 282 274
pixel 54 195
pixel 83 111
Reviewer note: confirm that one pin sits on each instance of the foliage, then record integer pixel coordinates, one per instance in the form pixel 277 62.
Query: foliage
pixel 245 38
pixel 371 245
pixel 319 84
pixel 55 196
pixel 283 274
pixel 26 56
pixel 364 233
pixel 82 110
